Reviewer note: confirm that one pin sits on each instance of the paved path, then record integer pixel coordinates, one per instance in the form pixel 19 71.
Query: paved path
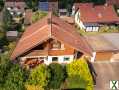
pixel 106 72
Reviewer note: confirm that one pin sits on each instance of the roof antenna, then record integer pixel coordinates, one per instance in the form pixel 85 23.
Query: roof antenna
pixel 49 21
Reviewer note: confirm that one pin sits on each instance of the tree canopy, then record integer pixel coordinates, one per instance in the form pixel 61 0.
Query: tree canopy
pixel 57 75
pixel 79 75
pixel 11 75
pixel 32 4
pixel 39 76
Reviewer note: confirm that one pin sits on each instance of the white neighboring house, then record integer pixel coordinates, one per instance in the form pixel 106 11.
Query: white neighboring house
pixel 78 21
pixel 91 18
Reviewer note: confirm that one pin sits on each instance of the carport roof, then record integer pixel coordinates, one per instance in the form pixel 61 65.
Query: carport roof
pixel 104 42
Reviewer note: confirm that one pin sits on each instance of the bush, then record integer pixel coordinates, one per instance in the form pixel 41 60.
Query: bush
pixel 15 78
pixel 57 75
pixel 1 4
pixel 104 29
pixel 3 41
pixel 32 4
pixel 11 75
pixel 33 87
pixel 5 66
pixel 39 76
pixel 79 75
pixel 108 29
pixel 7 19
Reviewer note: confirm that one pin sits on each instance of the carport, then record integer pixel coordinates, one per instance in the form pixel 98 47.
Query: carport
pixel 104 46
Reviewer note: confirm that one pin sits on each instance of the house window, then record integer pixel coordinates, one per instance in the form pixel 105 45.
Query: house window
pixel 66 58
pixel 54 59
pixel 56 45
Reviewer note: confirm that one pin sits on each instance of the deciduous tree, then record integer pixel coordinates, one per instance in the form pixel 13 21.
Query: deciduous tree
pixel 57 75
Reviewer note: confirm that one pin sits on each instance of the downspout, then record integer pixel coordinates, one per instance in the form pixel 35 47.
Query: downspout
pixel 93 57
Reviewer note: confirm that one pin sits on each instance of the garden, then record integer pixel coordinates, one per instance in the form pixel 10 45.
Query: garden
pixel 55 76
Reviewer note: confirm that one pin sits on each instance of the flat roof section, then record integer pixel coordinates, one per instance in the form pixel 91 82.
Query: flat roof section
pixel 104 42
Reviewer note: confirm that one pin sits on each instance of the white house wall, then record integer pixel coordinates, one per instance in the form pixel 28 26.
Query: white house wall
pixel 92 29
pixel 78 22
pixel 48 59
pixel 60 59
pixel 93 57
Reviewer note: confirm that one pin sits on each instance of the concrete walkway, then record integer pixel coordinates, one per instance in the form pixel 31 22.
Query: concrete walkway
pixel 106 71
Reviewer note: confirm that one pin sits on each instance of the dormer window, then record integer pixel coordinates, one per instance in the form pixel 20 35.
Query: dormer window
pixel 55 45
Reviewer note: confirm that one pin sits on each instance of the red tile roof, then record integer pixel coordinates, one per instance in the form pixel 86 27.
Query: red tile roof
pixel 42 30
pixel 97 14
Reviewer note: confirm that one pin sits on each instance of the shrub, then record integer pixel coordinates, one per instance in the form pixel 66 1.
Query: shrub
pixel 15 78
pixel 7 19
pixel 33 87
pixel 79 75
pixel 1 4
pixel 33 4
pixel 5 66
pixel 104 28
pixel 11 75
pixel 57 75
pixel 39 76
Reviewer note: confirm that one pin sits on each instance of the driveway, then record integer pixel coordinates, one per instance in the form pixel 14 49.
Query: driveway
pixel 106 71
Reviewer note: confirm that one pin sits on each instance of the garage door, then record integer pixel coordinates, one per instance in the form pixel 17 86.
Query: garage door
pixel 103 56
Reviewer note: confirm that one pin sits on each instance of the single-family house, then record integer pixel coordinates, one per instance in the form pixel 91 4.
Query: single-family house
pixel 105 46
pixel 112 2
pixel 48 5
pixel 50 40
pixel 91 17
pixel 18 5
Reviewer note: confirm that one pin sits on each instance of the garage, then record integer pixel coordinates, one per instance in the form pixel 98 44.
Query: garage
pixel 105 46
pixel 103 56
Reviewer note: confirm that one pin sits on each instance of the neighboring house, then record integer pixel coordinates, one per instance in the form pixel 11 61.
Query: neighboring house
pixel 105 46
pixel 91 18
pixel 48 5
pixel 18 5
pixel 50 40
pixel 12 35
pixel 112 2
pixel 63 12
